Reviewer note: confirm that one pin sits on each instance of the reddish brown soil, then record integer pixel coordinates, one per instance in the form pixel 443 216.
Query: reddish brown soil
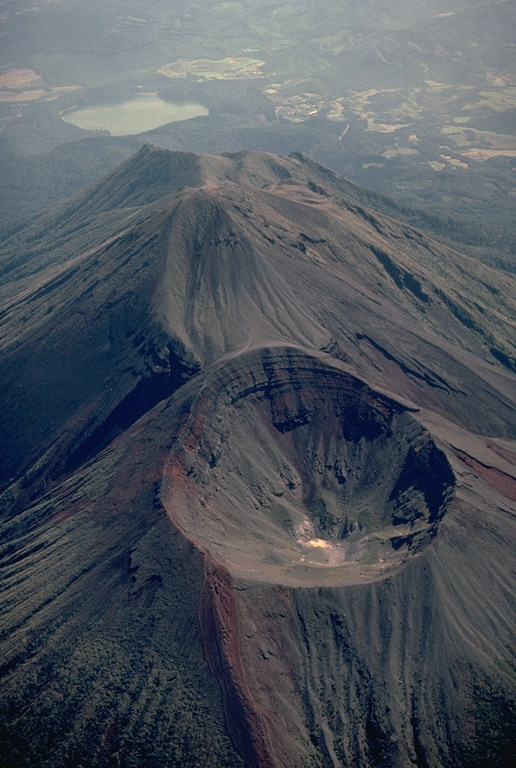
pixel 500 481
pixel 246 721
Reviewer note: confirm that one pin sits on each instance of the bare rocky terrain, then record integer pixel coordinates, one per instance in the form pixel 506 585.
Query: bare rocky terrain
pixel 258 478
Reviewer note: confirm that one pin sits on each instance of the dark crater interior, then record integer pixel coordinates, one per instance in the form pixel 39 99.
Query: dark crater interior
pixel 295 467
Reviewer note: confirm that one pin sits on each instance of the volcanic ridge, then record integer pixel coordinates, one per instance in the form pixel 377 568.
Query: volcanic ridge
pixel 258 478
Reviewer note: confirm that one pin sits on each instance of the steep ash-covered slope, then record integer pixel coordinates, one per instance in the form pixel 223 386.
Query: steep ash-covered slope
pixel 212 271
pixel 258 473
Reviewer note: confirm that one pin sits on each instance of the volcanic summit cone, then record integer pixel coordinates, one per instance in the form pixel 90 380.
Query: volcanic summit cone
pixel 259 478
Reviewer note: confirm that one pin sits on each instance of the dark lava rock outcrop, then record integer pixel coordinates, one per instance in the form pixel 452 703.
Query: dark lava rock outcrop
pixel 258 479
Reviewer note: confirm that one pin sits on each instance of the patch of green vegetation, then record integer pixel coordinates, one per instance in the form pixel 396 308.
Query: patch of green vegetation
pixel 374 125
pixel 475 138
pixel 492 741
pixel 448 130
pixel 456 162
pixel 435 86
pixel 371 556
pixel 400 151
pixel 478 153
pixel 436 165
pixel 499 99
pixel 228 68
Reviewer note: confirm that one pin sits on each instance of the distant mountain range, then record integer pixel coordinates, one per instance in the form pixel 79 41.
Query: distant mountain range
pixel 258 478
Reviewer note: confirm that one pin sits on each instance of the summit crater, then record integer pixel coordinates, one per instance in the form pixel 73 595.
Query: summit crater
pixel 292 471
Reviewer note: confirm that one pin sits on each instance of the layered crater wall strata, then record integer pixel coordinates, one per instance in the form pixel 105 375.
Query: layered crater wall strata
pixel 290 470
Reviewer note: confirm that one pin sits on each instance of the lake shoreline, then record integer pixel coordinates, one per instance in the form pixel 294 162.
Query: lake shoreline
pixel 138 114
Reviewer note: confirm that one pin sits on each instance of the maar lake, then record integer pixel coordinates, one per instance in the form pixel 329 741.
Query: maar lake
pixel 136 115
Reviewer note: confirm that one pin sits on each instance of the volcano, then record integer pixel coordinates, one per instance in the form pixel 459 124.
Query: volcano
pixel 258 478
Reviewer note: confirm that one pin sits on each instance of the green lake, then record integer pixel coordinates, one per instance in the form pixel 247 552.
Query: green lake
pixel 140 113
